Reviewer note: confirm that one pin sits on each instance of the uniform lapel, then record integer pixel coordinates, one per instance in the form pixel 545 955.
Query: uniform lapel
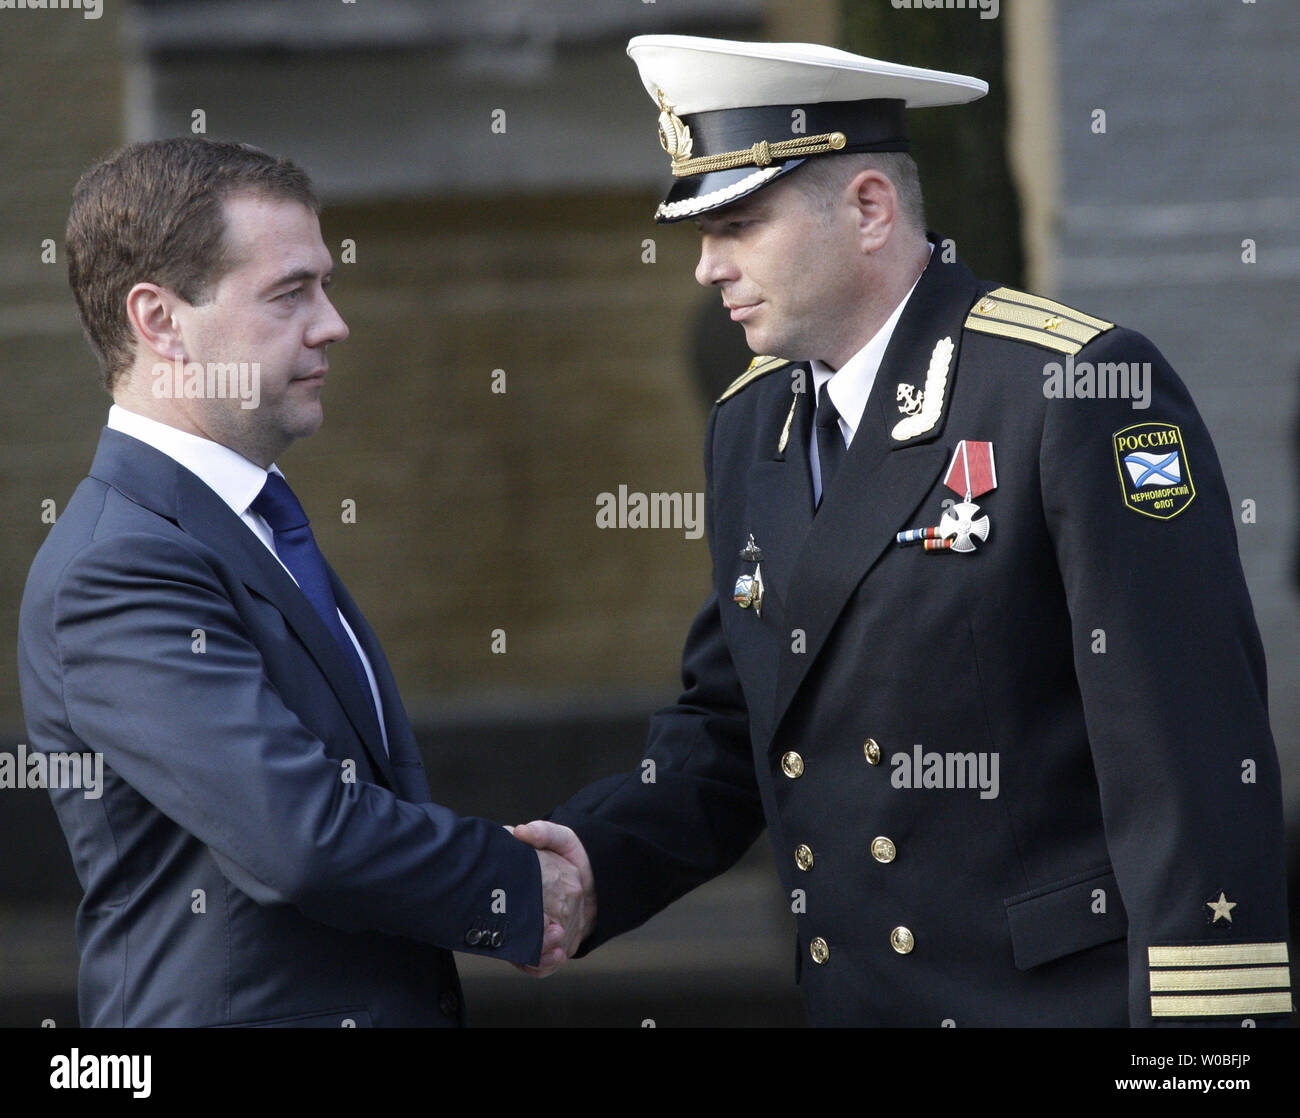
pixel 883 479
pixel 780 503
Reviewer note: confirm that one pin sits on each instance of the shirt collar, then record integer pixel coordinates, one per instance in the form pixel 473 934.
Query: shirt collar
pixel 230 475
pixel 850 385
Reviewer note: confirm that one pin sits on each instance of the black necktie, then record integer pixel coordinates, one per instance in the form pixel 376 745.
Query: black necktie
pixel 296 547
pixel 830 443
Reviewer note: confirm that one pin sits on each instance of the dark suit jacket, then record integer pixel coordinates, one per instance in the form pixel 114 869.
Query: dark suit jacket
pixel 1107 659
pixel 256 856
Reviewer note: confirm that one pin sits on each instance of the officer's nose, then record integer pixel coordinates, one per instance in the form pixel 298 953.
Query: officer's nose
pixel 715 266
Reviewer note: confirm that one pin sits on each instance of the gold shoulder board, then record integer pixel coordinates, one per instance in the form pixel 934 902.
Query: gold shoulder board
pixel 757 368
pixel 1031 318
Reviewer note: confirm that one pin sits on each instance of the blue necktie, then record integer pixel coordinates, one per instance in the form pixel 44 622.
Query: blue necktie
pixel 296 547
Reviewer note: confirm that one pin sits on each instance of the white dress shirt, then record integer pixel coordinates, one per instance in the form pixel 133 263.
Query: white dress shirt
pixel 234 479
pixel 850 385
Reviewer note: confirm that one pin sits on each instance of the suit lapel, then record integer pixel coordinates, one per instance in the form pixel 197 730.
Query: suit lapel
pixel 402 746
pixel 152 479
pixel 883 479
pixel 205 516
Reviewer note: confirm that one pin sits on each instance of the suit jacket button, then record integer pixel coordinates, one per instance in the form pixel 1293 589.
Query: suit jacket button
pixel 473 936
pixel 792 765
pixel 497 939
pixel 819 950
pixel 900 939
pixel 871 751
pixel 883 849
pixel 449 1003
pixel 803 856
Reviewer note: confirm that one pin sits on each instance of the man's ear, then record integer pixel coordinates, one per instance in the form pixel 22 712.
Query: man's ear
pixel 151 310
pixel 876 202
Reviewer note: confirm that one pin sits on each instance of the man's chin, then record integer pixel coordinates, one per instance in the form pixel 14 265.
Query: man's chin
pixel 766 343
pixel 304 421
pixel 756 338
pixel 763 348
pixel 309 422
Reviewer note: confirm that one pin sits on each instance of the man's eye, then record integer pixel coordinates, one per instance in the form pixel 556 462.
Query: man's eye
pixel 290 296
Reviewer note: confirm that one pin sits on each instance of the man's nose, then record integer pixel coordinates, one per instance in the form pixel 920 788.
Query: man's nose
pixel 331 327
pixel 715 267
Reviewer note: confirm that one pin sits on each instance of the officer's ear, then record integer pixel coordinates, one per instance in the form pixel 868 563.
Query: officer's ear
pixel 875 203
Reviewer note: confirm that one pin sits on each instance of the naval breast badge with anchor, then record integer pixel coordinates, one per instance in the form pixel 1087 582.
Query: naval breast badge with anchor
pixel 921 410
pixel 749 588
pixel 971 474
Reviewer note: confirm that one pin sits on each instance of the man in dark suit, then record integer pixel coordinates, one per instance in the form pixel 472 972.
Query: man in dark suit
pixel 265 850
pixel 979 651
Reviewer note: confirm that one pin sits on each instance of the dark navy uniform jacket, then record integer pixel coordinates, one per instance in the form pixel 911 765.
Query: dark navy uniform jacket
pixel 256 857
pixel 1098 646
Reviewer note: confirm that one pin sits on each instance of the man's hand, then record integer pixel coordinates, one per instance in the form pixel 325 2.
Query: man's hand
pixel 568 891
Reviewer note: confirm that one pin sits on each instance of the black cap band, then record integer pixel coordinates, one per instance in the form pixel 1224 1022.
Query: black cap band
pixel 874 125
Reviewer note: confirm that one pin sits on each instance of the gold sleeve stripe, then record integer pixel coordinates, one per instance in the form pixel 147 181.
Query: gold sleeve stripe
pixel 757 368
pixel 1220 1005
pixel 1216 954
pixel 1233 978
pixel 1031 318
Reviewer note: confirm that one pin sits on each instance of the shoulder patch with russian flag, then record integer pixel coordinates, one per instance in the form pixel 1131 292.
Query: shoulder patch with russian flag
pixel 1153 471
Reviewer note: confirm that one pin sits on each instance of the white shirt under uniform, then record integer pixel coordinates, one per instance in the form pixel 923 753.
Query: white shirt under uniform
pixel 850 385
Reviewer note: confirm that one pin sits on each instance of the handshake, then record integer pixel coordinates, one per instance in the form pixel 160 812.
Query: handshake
pixel 568 892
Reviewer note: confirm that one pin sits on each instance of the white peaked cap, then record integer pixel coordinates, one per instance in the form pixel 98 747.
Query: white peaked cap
pixel 736 116
pixel 701 75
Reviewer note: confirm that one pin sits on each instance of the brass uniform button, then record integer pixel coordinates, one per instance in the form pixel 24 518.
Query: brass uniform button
pixel 872 751
pixel 803 856
pixel 792 765
pixel 883 849
pixel 902 941
pixel 819 951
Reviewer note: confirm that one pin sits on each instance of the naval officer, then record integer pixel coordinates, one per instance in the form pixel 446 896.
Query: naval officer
pixel 979 652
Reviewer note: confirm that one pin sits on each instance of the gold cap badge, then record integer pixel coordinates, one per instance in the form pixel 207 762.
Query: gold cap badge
pixel 674 135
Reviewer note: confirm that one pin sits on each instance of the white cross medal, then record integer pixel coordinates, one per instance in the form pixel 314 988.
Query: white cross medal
pixel 971 474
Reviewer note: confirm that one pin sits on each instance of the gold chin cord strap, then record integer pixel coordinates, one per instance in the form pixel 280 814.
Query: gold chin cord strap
pixel 760 155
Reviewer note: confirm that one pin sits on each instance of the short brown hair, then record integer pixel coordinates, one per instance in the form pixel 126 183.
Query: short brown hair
pixel 152 213
pixel 823 177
